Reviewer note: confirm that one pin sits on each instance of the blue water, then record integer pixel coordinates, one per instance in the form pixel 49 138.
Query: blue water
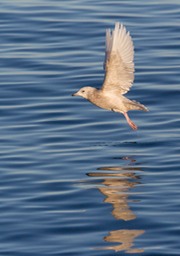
pixel 75 179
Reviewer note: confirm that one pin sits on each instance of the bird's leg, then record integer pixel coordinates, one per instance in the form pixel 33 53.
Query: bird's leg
pixel 130 122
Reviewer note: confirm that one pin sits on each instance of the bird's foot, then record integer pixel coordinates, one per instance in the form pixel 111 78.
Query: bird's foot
pixel 133 126
pixel 130 122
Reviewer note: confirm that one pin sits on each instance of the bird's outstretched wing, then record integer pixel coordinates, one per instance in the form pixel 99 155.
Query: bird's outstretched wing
pixel 119 64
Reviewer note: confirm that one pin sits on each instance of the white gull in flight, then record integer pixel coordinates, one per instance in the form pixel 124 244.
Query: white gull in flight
pixel 119 76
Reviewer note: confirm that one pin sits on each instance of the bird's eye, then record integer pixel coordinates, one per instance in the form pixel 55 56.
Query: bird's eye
pixel 83 91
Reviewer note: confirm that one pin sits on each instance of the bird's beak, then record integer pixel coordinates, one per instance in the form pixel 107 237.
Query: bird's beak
pixel 75 94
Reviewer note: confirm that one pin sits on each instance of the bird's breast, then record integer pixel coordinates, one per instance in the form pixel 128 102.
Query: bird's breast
pixel 107 101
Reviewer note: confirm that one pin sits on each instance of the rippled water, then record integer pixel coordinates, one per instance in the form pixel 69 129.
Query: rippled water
pixel 74 179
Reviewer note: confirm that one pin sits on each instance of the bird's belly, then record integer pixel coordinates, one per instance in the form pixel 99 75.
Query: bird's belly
pixel 105 105
pixel 110 103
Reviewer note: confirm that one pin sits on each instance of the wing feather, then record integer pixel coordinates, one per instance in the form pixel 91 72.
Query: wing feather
pixel 119 60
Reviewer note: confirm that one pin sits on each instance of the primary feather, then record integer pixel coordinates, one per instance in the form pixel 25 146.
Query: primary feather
pixel 119 60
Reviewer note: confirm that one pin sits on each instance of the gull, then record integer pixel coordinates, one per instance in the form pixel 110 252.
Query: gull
pixel 119 76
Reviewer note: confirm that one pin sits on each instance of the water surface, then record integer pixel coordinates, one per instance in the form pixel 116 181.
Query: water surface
pixel 74 179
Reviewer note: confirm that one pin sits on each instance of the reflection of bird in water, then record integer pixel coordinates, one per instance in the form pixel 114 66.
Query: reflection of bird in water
pixel 125 238
pixel 117 181
pixel 116 185
pixel 119 76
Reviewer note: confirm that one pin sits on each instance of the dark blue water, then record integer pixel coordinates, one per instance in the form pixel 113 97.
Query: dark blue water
pixel 75 179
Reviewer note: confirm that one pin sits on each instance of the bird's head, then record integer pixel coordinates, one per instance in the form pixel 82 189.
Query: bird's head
pixel 85 92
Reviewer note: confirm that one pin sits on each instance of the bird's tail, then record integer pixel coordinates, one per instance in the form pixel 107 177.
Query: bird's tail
pixel 134 105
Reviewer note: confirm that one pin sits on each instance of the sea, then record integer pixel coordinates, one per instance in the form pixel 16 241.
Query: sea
pixel 76 180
